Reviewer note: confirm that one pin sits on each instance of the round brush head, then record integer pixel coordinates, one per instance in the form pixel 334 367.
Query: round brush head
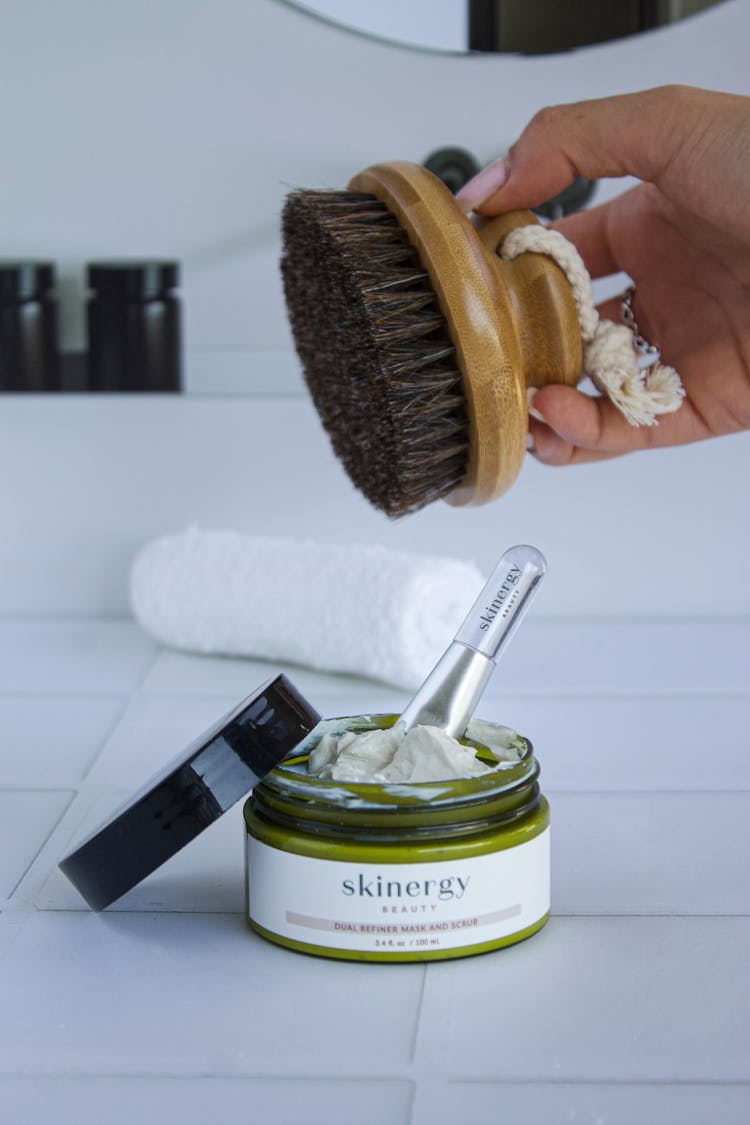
pixel 418 339
pixel 373 342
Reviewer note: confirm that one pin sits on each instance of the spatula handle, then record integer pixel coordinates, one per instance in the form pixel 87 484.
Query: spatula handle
pixel 452 690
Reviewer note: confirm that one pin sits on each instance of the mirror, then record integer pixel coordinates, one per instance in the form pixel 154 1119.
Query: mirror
pixel 528 27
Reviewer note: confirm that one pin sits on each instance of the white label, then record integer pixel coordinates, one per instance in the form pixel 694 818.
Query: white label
pixel 398 907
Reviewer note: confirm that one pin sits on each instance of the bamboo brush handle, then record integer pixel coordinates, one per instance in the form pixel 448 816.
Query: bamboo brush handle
pixel 513 324
pixel 547 322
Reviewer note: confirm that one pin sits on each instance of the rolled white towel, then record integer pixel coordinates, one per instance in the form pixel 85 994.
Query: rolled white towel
pixel 340 607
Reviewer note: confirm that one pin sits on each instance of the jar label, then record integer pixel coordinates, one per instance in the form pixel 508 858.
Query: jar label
pixel 398 907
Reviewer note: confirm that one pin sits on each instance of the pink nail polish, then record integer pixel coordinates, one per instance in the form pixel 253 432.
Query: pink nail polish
pixel 530 395
pixel 483 185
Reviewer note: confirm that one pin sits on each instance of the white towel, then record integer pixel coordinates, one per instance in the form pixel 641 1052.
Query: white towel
pixel 352 608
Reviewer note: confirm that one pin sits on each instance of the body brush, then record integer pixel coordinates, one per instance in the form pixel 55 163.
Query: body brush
pixel 418 341
pixel 420 333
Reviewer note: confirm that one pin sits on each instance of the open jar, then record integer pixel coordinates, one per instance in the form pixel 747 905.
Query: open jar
pixel 397 872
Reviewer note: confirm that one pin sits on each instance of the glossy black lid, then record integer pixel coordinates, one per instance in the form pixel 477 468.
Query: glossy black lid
pixel 20 280
pixel 133 280
pixel 193 791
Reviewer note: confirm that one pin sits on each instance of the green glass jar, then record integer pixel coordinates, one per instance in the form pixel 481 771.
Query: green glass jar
pixel 397 872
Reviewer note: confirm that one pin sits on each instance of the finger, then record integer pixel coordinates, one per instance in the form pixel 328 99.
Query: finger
pixel 592 423
pixel 551 449
pixel 598 138
pixel 582 422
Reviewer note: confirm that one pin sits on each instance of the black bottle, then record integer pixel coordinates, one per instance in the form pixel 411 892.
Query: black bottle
pixel 28 327
pixel 134 326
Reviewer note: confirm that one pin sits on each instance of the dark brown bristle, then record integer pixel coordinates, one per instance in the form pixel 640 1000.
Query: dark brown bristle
pixel 374 346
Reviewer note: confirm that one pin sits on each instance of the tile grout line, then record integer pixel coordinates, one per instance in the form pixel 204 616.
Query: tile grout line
pixel 553 622
pixel 44 842
pixel 155 657
pixel 21 909
pixel 123 710
pixel 64 787
pixel 178 1076
pixel 655 914
pixel 517 695
pixel 418 1016
pixel 414 1089
pixel 399 1079
pixel 741 1083
pixel 45 694
pixel 429 1079
pixel 8 904
pixel 554 619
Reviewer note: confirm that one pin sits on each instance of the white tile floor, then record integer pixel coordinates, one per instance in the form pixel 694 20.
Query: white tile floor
pixel 632 1005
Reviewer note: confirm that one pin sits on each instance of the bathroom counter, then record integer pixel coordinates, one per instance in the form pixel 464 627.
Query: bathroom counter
pixel 631 1005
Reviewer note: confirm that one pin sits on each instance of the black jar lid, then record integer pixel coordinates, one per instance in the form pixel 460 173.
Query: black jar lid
pixel 203 782
pixel 22 280
pixel 133 280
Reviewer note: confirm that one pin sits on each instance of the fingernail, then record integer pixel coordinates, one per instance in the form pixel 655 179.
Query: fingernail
pixel 483 185
pixel 530 443
pixel 530 395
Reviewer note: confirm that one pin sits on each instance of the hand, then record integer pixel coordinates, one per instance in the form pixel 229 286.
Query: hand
pixel 683 236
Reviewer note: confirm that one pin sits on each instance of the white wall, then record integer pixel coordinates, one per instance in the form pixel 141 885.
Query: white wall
pixel 440 25
pixel 86 479
pixel 174 127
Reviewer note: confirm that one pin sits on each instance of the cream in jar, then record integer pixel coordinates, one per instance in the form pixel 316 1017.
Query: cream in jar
pixel 425 753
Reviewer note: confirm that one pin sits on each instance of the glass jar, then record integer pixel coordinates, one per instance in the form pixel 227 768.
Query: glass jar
pixel 28 327
pixel 134 326
pixel 397 872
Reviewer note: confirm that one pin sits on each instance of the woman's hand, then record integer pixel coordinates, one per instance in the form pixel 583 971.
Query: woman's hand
pixel 682 235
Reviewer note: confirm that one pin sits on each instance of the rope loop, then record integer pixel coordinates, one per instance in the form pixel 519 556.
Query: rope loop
pixel 609 358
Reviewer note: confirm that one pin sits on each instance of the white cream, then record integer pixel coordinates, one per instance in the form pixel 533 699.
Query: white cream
pixel 424 754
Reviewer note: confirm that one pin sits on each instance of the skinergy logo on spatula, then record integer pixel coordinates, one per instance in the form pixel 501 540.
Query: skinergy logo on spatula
pixel 452 690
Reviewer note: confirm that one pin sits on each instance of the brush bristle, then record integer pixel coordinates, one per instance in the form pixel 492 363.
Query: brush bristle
pixel 373 343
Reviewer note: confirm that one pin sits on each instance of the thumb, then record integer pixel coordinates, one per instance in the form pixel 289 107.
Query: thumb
pixel 629 134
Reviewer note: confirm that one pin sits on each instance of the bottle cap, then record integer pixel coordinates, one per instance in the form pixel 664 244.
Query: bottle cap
pixel 21 280
pixel 203 782
pixel 133 280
